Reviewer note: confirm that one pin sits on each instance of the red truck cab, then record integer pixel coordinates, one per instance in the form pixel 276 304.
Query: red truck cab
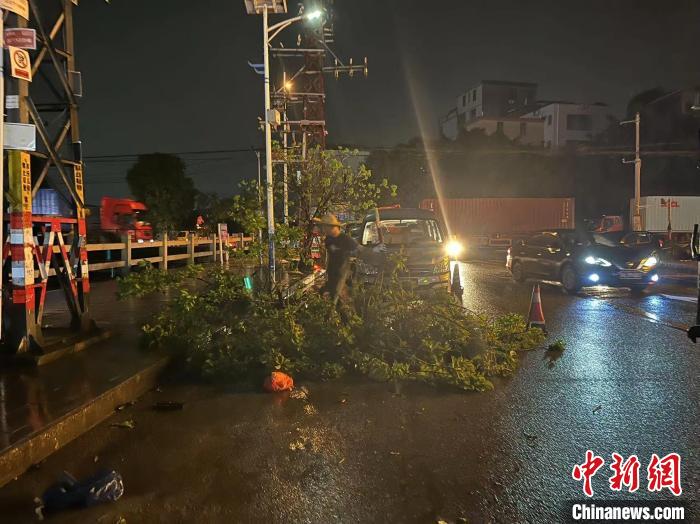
pixel 121 216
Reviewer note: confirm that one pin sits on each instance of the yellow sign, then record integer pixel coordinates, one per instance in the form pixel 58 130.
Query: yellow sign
pixel 20 65
pixel 19 7
pixel 79 189
pixel 20 194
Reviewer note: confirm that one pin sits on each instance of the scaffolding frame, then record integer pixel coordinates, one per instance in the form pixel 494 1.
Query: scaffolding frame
pixel 39 246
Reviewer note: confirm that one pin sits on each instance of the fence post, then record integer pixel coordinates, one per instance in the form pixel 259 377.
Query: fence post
pixel 190 248
pixel 241 244
pixel 126 254
pixel 164 253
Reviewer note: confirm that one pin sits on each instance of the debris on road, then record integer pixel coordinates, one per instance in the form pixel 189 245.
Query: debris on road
pixel 278 381
pixel 127 424
pixel 122 407
pixel 68 493
pixel 301 393
pixel 557 345
pixel 168 405
pixel 598 408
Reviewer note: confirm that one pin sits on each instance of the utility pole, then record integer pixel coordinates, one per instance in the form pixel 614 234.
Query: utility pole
pixel 268 154
pixel 637 217
pixel 2 153
pixel 260 209
pixel 262 7
pixel 285 144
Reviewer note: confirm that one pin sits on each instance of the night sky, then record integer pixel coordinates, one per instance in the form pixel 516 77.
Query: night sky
pixel 172 75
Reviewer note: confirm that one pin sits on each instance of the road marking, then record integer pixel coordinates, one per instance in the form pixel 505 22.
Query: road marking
pixel 680 298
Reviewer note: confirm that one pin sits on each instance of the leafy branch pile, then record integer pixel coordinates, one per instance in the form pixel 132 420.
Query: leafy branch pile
pixel 388 332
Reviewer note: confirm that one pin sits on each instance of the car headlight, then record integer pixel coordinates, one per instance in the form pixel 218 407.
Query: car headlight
pixel 454 249
pixel 597 261
pixel 650 262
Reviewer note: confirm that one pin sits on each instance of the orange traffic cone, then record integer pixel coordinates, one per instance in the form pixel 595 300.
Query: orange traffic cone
pixel 535 317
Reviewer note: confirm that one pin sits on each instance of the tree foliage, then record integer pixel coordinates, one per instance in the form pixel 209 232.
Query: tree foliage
pixel 159 180
pixel 391 332
pixel 325 182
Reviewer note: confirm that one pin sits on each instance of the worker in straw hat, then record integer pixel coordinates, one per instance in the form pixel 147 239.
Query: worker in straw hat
pixel 340 248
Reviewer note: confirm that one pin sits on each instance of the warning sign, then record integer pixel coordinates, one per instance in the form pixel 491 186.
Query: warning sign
pixel 20 65
pixel 20 37
pixel 19 7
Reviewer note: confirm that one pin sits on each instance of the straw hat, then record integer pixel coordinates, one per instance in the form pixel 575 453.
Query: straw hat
pixel 328 220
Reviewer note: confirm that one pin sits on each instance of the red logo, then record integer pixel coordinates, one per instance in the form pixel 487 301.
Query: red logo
pixel 662 473
pixel 665 473
pixel 586 471
pixel 625 473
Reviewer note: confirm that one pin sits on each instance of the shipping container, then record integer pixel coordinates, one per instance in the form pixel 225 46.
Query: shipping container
pixel 49 202
pixel 682 212
pixel 495 221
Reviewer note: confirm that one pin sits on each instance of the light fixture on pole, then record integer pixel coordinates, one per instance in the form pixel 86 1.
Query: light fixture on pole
pixel 637 215
pixel 272 116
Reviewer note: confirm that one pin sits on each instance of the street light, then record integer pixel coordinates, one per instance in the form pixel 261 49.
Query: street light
pixel 264 7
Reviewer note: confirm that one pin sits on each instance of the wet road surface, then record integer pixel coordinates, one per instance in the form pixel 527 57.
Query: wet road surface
pixel 367 452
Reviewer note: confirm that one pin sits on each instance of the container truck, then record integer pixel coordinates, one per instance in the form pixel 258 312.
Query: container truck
pixel 671 218
pixel 495 223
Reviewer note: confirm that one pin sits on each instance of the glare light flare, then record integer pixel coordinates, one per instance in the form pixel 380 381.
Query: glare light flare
pixel 314 15
pixel 454 249
pixel 423 119
pixel 594 277
pixel 597 261
pixel 650 262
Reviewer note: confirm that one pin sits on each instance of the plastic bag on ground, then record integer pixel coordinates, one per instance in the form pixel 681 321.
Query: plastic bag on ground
pixel 278 381
pixel 106 486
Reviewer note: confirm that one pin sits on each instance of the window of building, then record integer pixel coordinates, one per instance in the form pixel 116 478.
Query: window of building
pixel 549 120
pixel 499 127
pixel 579 122
pixel 474 95
pixel 472 114
pixel 523 128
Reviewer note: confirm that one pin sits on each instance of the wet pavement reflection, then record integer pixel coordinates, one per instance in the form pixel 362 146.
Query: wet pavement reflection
pixel 31 398
pixel 355 451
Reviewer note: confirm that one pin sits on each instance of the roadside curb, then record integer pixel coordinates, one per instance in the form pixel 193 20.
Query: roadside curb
pixel 36 447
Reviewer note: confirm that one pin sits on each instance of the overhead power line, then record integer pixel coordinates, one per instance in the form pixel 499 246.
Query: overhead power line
pixel 178 153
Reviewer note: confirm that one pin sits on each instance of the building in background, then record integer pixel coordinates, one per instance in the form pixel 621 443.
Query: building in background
pixel 521 130
pixel 489 99
pixel 568 124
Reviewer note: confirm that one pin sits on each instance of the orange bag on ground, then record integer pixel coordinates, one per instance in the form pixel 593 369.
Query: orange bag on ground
pixel 278 381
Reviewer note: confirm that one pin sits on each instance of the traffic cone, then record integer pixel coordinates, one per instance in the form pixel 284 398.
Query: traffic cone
pixel 535 317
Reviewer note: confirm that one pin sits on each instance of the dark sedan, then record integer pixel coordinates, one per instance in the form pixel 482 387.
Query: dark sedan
pixel 583 259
